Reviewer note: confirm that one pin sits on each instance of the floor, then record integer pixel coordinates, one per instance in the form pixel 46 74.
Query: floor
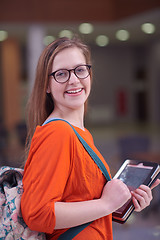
pixel 139 227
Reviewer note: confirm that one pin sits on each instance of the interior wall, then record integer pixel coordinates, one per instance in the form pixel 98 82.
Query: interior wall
pixel 115 87
pixel 11 68
pixel 126 84
pixel 153 66
pixel 113 76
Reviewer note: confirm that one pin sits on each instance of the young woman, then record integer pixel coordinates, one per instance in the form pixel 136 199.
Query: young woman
pixel 63 187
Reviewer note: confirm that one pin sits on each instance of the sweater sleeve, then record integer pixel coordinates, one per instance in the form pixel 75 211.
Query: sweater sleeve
pixel 45 175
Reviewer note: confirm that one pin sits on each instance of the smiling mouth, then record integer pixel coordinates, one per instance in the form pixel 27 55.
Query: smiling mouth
pixel 74 91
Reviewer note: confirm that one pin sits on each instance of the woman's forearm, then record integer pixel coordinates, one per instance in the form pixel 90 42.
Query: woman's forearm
pixel 77 213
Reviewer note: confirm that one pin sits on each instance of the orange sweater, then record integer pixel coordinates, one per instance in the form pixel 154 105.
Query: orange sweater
pixel 59 169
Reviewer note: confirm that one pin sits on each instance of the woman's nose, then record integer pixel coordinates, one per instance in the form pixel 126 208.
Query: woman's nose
pixel 73 78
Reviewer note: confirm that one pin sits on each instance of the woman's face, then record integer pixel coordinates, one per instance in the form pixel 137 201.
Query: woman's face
pixel 73 93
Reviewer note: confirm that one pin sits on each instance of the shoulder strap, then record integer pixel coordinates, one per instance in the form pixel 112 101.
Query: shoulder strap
pixel 93 155
pixel 72 232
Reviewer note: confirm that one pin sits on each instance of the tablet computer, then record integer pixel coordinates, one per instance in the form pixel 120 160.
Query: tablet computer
pixel 134 173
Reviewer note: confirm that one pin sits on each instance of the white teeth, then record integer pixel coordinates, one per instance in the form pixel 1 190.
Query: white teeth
pixel 75 91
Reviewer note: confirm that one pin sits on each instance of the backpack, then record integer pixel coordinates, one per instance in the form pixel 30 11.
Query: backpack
pixel 12 225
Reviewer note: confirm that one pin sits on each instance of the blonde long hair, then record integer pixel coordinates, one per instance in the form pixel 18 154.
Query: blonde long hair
pixel 40 104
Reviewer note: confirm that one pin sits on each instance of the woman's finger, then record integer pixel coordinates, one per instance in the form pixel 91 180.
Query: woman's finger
pixel 136 204
pixel 145 191
pixel 155 184
pixel 142 197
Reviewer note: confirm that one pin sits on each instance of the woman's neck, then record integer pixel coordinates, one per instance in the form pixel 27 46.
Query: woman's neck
pixel 75 118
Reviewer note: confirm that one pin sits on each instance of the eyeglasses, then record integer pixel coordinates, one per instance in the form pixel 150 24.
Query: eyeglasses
pixel 63 75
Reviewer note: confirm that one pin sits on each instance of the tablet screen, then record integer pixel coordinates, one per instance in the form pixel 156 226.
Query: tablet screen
pixel 133 176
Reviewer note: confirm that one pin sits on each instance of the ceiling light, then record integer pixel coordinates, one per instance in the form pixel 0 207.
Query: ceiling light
pixel 148 28
pixel 122 35
pixel 3 35
pixel 66 33
pixel 48 39
pixel 86 28
pixel 102 40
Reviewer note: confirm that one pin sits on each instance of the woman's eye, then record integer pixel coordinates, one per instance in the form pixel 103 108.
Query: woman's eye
pixel 60 74
pixel 80 69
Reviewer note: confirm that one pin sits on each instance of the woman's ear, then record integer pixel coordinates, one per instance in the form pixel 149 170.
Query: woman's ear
pixel 48 89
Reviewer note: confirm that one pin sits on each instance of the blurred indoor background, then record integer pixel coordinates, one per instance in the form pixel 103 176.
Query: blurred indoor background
pixel 124 107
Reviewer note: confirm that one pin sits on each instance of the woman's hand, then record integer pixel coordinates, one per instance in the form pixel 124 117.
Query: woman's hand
pixel 142 196
pixel 115 194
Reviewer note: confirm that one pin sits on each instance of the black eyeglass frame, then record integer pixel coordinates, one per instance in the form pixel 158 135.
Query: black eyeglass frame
pixel 70 70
